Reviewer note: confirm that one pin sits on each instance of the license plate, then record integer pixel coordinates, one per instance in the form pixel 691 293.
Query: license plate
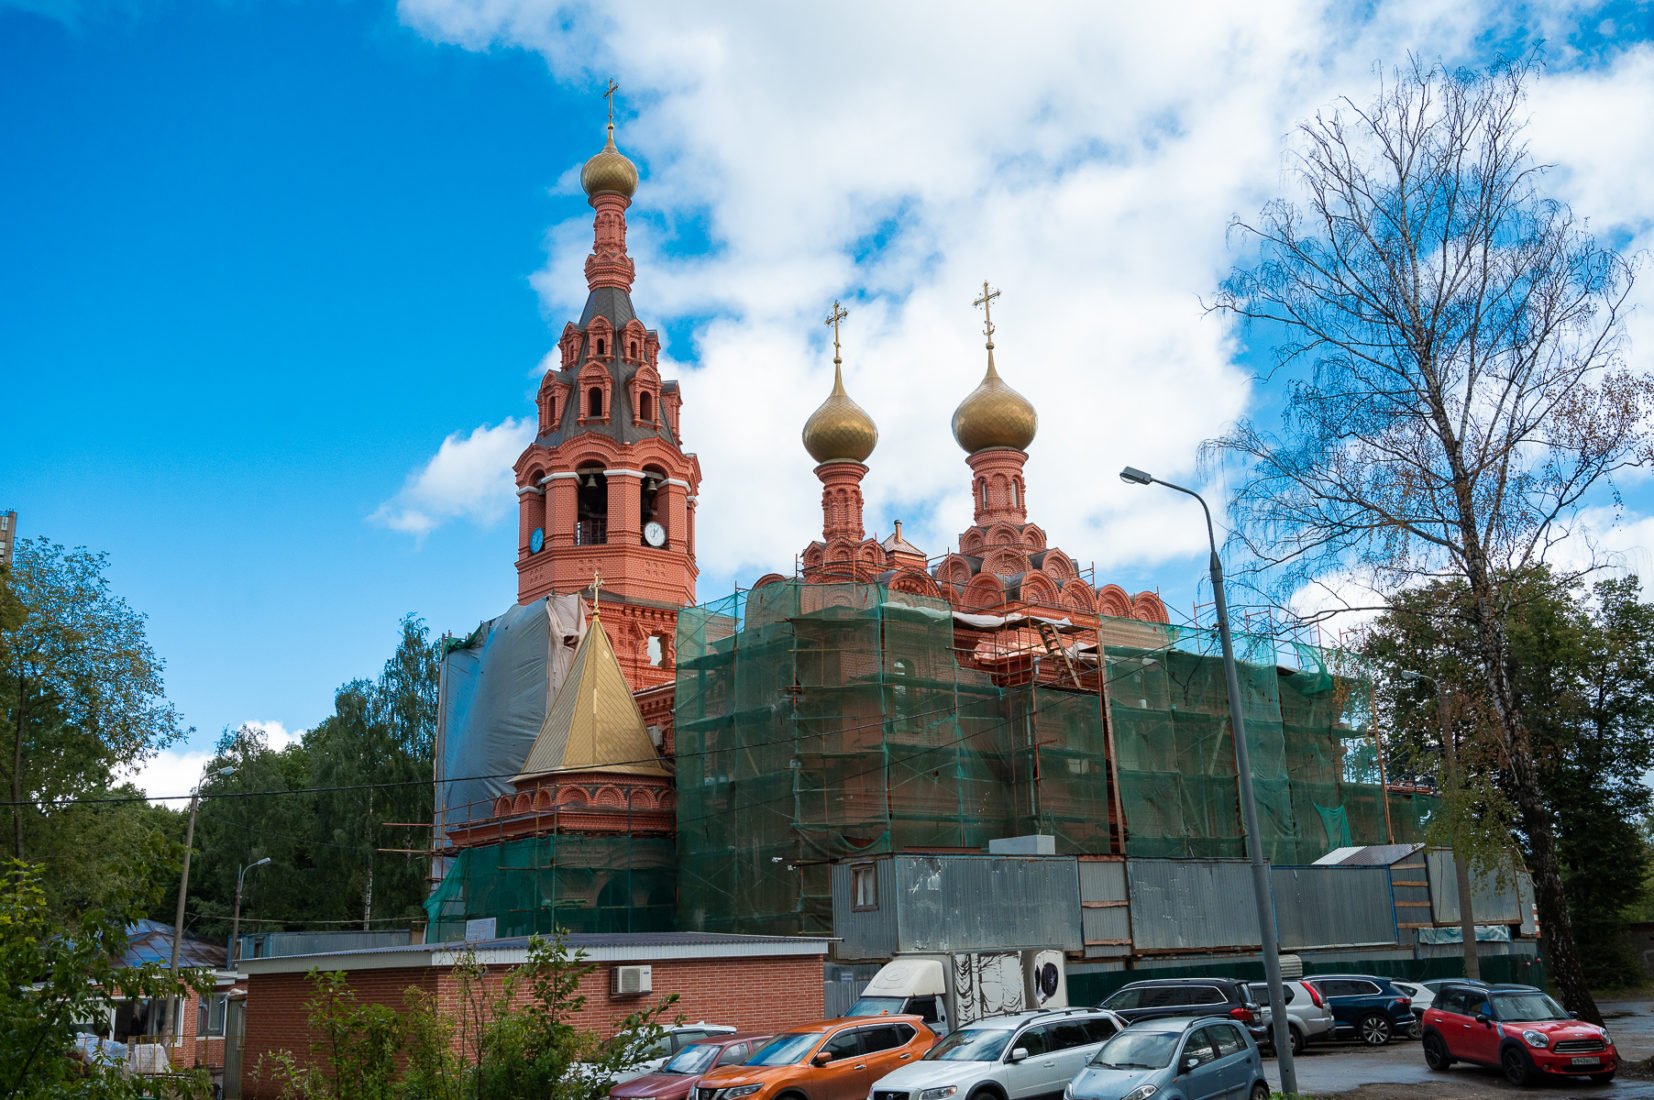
pixel 1584 1061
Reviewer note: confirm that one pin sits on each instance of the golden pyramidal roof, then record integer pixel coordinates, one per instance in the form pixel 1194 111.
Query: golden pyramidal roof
pixel 593 723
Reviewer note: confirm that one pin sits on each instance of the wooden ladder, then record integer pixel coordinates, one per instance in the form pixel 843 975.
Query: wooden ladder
pixel 1053 645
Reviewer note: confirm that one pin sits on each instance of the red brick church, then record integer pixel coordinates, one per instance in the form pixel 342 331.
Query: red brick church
pixel 607 490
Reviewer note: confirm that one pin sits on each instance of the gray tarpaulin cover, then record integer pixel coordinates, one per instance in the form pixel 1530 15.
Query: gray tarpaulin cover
pixel 495 691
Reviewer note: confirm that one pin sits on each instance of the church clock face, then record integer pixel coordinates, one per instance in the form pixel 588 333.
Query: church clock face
pixel 537 540
pixel 654 534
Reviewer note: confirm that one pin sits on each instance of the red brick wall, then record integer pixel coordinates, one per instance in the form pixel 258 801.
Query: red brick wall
pixel 763 994
pixel 276 1019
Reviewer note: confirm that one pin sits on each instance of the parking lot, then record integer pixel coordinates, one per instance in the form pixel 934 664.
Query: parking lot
pixel 1398 1072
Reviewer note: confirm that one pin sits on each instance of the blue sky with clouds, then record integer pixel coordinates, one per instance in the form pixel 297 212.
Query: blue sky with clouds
pixel 276 275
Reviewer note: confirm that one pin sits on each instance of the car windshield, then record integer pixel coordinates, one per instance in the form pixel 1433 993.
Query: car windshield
pixel 980 1044
pixel 785 1050
pixel 1526 1006
pixel 1138 1050
pixel 695 1058
pixel 872 1006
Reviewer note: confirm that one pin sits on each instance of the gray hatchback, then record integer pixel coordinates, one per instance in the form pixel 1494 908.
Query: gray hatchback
pixel 1199 1058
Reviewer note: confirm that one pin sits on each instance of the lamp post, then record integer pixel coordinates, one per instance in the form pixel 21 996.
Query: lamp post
pixel 235 922
pixel 177 1021
pixel 1461 870
pixel 1261 892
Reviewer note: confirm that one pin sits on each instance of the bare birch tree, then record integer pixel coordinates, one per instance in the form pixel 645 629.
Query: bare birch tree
pixel 1450 340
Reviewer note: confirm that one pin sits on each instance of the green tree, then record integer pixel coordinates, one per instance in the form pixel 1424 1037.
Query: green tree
pixel 1450 339
pixel 373 756
pixel 1582 667
pixel 376 751
pixel 80 698
pixel 54 972
pixel 260 810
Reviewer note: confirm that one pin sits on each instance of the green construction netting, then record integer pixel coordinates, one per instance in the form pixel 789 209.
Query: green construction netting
pixel 817 721
pixel 539 884
pixel 1315 774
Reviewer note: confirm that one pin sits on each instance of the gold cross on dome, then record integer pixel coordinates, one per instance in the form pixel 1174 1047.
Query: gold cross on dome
pixel 597 588
pixel 839 314
pixel 609 94
pixel 986 302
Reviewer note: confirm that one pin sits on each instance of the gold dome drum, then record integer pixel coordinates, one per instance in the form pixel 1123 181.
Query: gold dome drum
pixel 840 430
pixel 994 415
pixel 609 170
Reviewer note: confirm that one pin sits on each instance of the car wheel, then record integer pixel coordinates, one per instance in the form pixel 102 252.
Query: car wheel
pixel 986 1093
pixel 1518 1070
pixel 1295 1041
pixel 1602 1078
pixel 1374 1029
pixel 1260 1090
pixel 1435 1053
pixel 1416 1029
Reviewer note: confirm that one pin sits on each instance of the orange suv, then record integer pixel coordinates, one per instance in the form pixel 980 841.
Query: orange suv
pixel 832 1060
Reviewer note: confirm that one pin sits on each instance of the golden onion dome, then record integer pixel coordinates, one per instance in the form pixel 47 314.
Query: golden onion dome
pixel 994 415
pixel 840 430
pixel 609 170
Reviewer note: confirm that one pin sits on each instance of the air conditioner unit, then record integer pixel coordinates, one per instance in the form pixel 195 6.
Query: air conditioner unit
pixel 631 981
pixel 1045 978
pixel 1292 968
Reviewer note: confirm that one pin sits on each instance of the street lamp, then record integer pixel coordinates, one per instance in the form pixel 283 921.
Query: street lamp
pixel 235 922
pixel 1261 892
pixel 183 889
pixel 1461 870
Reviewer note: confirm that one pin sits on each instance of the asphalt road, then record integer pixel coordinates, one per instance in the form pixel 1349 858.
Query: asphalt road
pixel 1398 1071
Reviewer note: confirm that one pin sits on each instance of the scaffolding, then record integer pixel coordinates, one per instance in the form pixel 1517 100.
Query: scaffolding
pixel 815 722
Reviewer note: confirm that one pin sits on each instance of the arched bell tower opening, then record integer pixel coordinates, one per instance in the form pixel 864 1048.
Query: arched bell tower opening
pixel 592 522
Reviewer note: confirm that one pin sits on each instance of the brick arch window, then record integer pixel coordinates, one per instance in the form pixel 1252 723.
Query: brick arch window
pixel 594 402
pixel 634 349
pixel 600 345
pixel 645 406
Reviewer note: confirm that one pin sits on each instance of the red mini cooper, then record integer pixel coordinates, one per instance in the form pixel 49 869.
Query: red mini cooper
pixel 1518 1029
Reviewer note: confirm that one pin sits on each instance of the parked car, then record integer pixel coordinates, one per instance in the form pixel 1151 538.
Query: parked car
pixel 1172 1058
pixel 1421 995
pixel 1307 1015
pixel 832 1060
pixel 1159 998
pixel 676 1038
pixel 1520 1030
pixel 1365 1007
pixel 1022 1055
pixel 676 1079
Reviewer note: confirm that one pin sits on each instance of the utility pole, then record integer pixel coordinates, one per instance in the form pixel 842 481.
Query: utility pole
pixel 177 1021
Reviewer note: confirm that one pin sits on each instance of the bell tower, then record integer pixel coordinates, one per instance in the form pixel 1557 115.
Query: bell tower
pixel 606 487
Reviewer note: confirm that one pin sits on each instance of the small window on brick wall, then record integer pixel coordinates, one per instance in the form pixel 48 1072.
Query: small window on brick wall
pixel 594 402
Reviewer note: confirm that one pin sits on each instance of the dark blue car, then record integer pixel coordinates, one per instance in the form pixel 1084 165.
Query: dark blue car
pixel 1365 1007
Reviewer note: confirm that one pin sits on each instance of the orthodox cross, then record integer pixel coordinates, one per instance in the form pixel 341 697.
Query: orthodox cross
pixel 597 586
pixel 609 94
pixel 986 302
pixel 839 314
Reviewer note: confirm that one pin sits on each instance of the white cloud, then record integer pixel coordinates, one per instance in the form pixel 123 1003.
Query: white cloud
pixel 1085 158
pixel 171 772
pixel 177 771
pixel 275 734
pixel 468 478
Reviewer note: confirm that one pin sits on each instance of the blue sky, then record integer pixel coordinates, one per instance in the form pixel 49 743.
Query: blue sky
pixel 259 259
